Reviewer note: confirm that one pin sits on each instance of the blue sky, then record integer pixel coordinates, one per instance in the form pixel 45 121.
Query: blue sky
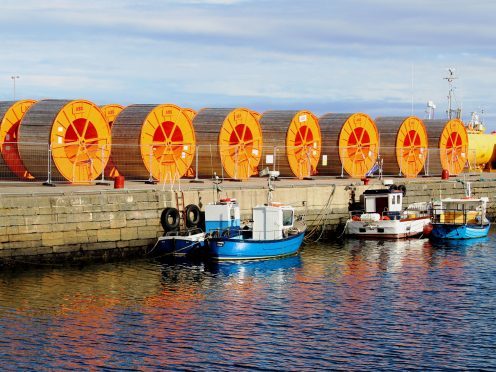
pixel 321 55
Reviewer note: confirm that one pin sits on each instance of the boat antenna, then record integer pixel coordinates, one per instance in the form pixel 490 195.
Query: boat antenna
pixel 217 181
pixel 452 112
pixel 272 176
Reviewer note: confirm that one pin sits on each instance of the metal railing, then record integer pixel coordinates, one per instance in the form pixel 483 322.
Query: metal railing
pixel 43 163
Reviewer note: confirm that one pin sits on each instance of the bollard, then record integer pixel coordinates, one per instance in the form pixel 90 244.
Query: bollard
pixel 119 182
pixel 445 174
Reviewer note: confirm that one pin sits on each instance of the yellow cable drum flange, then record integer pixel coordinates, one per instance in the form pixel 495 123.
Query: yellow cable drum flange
pixel 111 111
pixel 76 132
pixel 189 112
pixel 297 139
pixel 238 136
pixel 153 140
pixel 11 114
pixel 448 146
pixel 403 145
pixel 355 138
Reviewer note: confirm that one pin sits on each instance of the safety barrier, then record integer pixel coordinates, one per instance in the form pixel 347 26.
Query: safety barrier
pixel 328 161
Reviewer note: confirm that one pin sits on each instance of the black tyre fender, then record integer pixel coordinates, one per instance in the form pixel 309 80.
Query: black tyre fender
pixel 402 188
pixel 393 187
pixel 192 215
pixel 169 219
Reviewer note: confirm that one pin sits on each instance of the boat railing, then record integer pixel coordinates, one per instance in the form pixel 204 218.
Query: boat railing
pixel 186 232
pixel 458 216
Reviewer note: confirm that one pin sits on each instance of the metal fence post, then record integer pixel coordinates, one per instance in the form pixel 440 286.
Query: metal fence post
pixel 48 182
pixel 196 179
pixel 150 180
pixel 102 181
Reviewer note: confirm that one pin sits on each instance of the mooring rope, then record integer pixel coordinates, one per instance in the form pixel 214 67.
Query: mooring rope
pixel 321 221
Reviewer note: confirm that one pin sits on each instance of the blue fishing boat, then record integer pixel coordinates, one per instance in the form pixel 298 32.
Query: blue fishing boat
pixel 459 218
pixel 191 240
pixel 180 243
pixel 275 232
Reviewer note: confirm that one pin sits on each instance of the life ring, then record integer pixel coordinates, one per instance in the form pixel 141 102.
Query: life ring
pixel 385 218
pixel 356 218
pixel 169 219
pixel 192 214
pixel 402 188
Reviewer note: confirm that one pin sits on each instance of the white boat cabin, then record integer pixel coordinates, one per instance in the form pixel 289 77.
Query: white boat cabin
pixel 271 221
pixel 384 202
pixel 222 215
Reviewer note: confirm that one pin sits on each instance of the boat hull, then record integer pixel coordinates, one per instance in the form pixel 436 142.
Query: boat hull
pixel 179 245
pixel 387 229
pixel 237 248
pixel 456 231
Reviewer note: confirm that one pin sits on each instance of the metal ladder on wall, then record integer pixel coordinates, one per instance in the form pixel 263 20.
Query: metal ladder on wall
pixel 181 208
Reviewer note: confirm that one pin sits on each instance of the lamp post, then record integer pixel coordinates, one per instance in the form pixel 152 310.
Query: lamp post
pixel 14 78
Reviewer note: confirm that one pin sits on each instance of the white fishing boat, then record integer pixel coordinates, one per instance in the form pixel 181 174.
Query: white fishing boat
pixel 383 216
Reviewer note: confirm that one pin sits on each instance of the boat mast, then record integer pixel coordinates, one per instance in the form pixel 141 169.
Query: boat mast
pixel 452 113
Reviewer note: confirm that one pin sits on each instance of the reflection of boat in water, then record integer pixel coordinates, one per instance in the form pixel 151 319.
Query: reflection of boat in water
pixel 460 243
pixel 253 267
pixel 460 218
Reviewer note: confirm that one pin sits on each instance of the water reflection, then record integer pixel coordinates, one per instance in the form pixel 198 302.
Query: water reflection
pixel 349 305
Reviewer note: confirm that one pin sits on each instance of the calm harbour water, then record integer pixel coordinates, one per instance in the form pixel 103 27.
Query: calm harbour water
pixel 357 305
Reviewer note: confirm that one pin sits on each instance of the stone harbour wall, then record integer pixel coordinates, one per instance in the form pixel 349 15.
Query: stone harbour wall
pixel 80 225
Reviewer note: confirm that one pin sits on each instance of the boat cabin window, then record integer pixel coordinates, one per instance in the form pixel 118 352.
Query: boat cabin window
pixel 397 199
pixel 287 217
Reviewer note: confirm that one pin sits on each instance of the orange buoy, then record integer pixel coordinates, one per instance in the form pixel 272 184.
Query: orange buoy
pixel 403 145
pixel 11 114
pixel 237 142
pixel 76 133
pixel 296 137
pixel 153 140
pixel 448 146
pixel 110 112
pixel 351 138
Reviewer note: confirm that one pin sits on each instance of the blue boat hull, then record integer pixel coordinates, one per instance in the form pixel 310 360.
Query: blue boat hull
pixel 178 246
pixel 453 231
pixel 237 248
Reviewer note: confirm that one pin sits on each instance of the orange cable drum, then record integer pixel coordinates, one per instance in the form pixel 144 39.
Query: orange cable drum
pixel 11 114
pixel 448 146
pixel 351 138
pixel 77 133
pixel 297 137
pixel 236 138
pixel 110 112
pixel 153 140
pixel 403 145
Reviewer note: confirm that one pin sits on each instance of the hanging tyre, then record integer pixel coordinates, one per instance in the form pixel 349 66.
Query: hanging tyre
pixel 393 187
pixel 169 219
pixel 402 188
pixel 193 215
